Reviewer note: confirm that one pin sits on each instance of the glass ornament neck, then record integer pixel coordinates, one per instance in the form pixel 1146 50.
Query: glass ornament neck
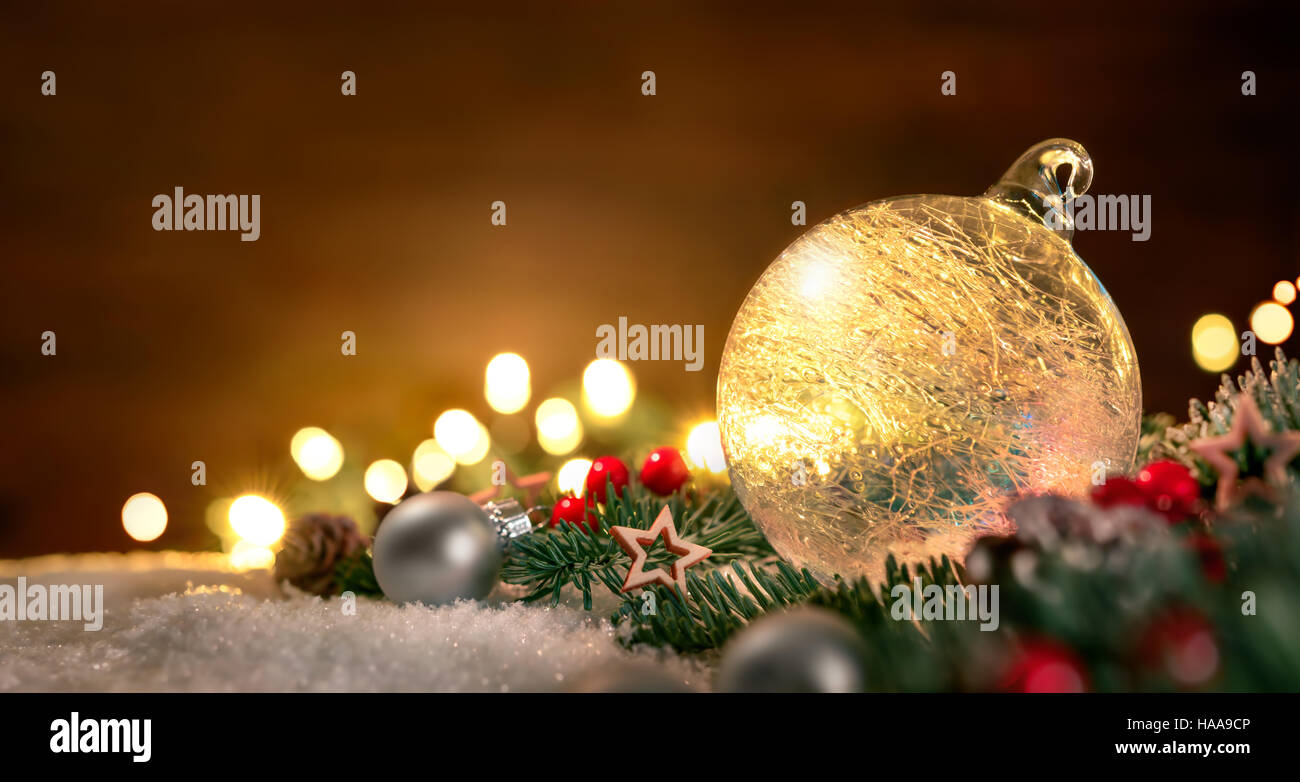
pixel 1032 185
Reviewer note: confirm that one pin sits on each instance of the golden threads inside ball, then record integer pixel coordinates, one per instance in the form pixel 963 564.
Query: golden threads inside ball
pixel 905 367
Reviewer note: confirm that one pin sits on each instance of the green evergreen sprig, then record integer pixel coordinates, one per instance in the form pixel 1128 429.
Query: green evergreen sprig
pixel 724 600
pixel 1276 393
pixel 742 580
pixel 550 559
pixel 356 574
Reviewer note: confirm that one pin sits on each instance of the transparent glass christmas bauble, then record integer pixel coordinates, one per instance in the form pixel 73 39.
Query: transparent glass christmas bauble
pixel 905 367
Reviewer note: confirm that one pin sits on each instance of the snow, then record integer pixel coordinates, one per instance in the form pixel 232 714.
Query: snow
pixel 186 622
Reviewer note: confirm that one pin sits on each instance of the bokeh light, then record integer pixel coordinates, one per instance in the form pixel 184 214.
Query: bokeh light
pixel 144 517
pixel 317 453
pixel 704 448
pixel 572 477
pixel 385 481
pixel 460 434
pixel 1284 292
pixel 607 388
pixel 1214 343
pixel 558 429
pixel 430 465
pixel 246 555
pixel 506 383
pixel 1271 322
pixel 481 447
pixel 256 520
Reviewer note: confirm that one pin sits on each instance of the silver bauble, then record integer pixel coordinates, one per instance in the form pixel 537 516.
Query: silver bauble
pixel 436 547
pixel 804 650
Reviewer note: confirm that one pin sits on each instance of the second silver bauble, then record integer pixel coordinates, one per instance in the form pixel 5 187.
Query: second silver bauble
pixel 800 650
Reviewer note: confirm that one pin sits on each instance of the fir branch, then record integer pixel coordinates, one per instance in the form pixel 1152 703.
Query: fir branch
pixel 714 608
pixel 1276 393
pixel 549 559
pixel 723 601
pixel 356 574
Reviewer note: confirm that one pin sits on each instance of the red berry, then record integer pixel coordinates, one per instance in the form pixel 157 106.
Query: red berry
pixel 665 471
pixel 1170 490
pixel 1180 642
pixel 576 512
pixel 1210 554
pixel 606 467
pixel 1044 665
pixel 1118 491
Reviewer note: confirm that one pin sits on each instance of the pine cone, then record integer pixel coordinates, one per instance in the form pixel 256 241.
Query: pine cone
pixel 312 546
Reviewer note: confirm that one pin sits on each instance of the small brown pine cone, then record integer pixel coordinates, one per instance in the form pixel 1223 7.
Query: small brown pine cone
pixel 312 546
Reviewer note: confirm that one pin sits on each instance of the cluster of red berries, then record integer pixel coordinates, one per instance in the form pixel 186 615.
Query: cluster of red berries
pixel 1180 642
pixel 663 473
pixel 1164 487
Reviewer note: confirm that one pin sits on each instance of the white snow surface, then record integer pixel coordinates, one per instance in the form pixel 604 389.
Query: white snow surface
pixel 186 622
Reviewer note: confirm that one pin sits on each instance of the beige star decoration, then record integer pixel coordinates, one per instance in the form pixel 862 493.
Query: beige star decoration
pixel 530 486
pixel 636 542
pixel 1247 426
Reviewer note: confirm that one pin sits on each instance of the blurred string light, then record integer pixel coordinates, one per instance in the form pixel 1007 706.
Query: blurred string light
pixel 460 434
pixel 1271 322
pixel 704 448
pixel 430 465
pixel 572 477
pixel 1214 343
pixel 246 555
pixel 506 383
pixel 217 518
pixel 607 388
pixel 481 447
pixel 256 520
pixel 144 517
pixel 317 453
pixel 385 481
pixel 558 429
pixel 1284 292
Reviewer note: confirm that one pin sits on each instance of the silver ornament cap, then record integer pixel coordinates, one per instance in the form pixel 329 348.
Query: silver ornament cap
pixel 435 548
pixel 509 518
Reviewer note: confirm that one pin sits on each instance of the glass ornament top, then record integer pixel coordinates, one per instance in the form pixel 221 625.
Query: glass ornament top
pixel 905 367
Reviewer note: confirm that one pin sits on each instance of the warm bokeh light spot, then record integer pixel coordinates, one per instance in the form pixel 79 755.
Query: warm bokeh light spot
pixel 459 433
pixel 481 447
pixel 316 452
pixel 1284 292
pixel 704 448
pixel 256 520
pixel 430 465
pixel 246 555
pixel 1214 343
pixel 386 481
pixel 1271 322
pixel 558 429
pixel 607 388
pixel 572 477
pixel 506 383
pixel 144 517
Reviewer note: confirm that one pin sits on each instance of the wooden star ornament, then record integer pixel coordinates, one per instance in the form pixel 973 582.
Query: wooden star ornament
pixel 637 542
pixel 1247 426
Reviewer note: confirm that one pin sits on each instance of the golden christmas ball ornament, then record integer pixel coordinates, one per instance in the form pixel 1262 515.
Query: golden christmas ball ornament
pixel 904 368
